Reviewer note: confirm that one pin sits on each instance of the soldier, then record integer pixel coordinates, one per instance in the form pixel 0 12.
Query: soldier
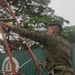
pixel 57 50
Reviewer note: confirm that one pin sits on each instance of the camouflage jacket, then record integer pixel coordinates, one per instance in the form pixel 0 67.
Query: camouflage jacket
pixel 57 50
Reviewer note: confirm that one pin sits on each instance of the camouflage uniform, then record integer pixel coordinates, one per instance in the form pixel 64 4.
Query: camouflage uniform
pixel 57 50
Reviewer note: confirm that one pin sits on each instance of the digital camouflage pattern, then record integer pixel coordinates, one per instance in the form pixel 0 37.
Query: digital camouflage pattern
pixel 57 50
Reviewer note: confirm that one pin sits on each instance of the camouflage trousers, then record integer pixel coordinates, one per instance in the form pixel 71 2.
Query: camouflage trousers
pixel 59 72
pixel 65 73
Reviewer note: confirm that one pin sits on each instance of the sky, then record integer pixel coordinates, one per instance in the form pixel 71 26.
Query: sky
pixel 65 9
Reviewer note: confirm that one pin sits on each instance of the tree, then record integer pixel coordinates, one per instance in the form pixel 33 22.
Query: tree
pixel 32 14
pixel 69 33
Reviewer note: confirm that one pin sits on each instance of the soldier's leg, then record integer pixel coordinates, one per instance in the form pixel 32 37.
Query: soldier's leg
pixel 64 73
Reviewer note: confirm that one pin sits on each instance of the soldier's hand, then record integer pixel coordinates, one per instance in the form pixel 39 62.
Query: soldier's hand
pixel 44 65
pixel 9 25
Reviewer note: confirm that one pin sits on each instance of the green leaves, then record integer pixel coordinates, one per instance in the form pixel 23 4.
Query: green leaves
pixel 69 33
pixel 33 14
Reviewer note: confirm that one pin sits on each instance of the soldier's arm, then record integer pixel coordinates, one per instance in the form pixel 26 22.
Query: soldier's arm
pixel 38 37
